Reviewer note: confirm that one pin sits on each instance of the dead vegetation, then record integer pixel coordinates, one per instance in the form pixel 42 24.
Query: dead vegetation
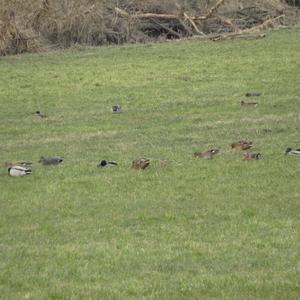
pixel 15 39
pixel 34 25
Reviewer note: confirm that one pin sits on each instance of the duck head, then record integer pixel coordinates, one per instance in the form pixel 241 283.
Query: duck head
pixel 288 150
pixel 214 151
pixel 258 156
pixel 41 159
pixel 103 163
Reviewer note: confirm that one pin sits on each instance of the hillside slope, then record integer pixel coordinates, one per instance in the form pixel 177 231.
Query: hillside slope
pixel 223 228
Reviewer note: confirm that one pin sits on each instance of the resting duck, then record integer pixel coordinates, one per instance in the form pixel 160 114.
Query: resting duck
pixel 242 145
pixel 46 161
pixel 243 103
pixel 21 163
pixel 290 151
pixel 18 171
pixel 105 163
pixel 253 94
pixel 207 154
pixel 252 156
pixel 116 109
pixel 40 114
pixel 140 164
pixel 164 162
pixel 266 130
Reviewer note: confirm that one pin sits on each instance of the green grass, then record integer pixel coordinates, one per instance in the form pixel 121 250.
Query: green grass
pixel 222 228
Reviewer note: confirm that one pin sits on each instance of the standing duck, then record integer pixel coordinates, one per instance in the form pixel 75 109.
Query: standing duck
pixel 207 154
pixel 290 151
pixel 140 164
pixel 242 145
pixel 18 171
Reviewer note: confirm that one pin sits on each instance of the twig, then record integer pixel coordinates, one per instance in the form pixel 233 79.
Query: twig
pixel 264 25
pixel 236 35
pixel 193 24
pixel 210 12
pixel 228 22
pixel 166 28
pixel 186 27
pixel 124 13
pixel 247 33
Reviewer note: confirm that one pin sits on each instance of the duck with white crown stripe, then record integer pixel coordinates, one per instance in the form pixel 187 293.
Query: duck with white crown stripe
pixel 116 108
pixel 18 171
pixel 105 163
pixel 290 151
pixel 40 114
pixel 207 154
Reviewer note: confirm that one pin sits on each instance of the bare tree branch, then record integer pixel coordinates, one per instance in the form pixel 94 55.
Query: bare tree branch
pixel 193 23
pixel 210 12
pixel 170 16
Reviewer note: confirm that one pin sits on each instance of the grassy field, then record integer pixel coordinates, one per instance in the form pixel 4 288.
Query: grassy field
pixel 197 229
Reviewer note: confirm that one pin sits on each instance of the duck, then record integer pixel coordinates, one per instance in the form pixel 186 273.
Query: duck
pixel 266 130
pixel 253 94
pixel 164 162
pixel 116 108
pixel 252 156
pixel 105 163
pixel 40 114
pixel 290 151
pixel 46 161
pixel 242 145
pixel 21 163
pixel 140 164
pixel 18 171
pixel 207 154
pixel 254 104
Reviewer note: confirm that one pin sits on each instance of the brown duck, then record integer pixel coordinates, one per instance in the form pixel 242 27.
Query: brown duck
pixel 164 162
pixel 242 145
pixel 140 164
pixel 252 156
pixel 207 154
pixel 19 163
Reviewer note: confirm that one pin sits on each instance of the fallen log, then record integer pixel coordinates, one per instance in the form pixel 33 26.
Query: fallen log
pixel 250 33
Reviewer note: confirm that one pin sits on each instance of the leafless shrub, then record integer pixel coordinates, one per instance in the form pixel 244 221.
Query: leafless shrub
pixel 31 25
pixel 15 38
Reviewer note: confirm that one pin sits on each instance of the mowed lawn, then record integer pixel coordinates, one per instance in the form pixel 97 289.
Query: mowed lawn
pixel 196 229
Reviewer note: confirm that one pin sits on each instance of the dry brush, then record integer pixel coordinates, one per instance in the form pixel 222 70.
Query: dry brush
pixel 36 25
